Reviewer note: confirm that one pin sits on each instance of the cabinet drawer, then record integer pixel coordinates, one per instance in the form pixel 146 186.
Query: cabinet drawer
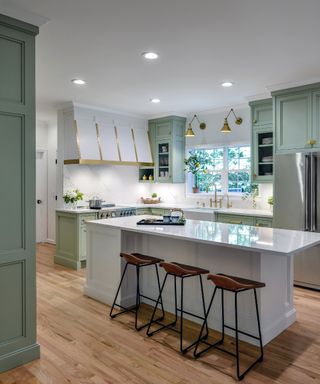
pixel 163 129
pixel 143 211
pixel 235 219
pixel 263 222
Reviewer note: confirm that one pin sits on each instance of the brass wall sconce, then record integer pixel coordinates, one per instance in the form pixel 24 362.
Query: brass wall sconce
pixel 226 128
pixel 189 131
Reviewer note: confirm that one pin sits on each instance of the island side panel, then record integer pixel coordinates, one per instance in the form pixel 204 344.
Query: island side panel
pixel 104 266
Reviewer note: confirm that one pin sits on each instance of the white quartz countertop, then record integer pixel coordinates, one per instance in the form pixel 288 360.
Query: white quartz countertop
pixel 185 207
pixel 228 235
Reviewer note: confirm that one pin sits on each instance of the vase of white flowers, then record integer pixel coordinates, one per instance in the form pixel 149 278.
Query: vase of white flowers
pixel 71 198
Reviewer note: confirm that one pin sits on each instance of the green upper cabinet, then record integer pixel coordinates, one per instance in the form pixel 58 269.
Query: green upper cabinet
pixel 261 113
pixel 168 146
pixel 297 119
pixel 262 141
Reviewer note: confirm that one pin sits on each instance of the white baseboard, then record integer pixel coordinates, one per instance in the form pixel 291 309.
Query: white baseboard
pixel 50 241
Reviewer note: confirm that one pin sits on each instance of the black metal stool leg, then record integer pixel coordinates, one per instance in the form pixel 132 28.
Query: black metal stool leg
pixel 137 299
pixel 115 299
pixel 181 319
pixel 259 328
pixel 161 301
pixel 152 320
pixel 175 300
pixel 222 314
pixel 195 353
pixel 204 308
pixel 240 377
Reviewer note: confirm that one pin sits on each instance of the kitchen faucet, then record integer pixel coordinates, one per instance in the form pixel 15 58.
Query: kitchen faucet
pixel 216 201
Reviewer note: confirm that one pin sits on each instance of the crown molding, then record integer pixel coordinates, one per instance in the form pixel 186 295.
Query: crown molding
pixel 260 96
pixel 23 15
pixel 281 86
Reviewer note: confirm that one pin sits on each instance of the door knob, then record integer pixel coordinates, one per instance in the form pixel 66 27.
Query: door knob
pixel 39 201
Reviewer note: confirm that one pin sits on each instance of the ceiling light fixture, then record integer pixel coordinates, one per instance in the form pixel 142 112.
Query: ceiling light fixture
pixel 155 100
pixel 189 131
pixel 79 81
pixel 150 55
pixel 226 128
pixel 227 84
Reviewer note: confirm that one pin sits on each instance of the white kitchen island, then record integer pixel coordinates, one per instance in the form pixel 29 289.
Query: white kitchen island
pixel 263 254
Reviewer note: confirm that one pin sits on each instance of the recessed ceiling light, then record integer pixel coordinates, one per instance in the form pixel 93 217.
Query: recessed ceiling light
pixel 227 84
pixel 79 81
pixel 155 100
pixel 150 55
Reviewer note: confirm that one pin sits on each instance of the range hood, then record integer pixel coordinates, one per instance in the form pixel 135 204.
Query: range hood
pixel 102 138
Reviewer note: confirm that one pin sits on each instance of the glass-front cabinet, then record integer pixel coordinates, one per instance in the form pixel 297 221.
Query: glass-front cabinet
pixel 168 149
pixel 262 153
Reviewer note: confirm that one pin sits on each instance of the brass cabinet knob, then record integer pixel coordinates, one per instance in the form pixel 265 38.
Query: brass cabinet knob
pixel 254 121
pixel 254 175
pixel 311 142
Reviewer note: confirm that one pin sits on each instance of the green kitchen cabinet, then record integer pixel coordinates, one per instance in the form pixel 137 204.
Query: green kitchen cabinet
pixel 263 222
pixel 18 340
pixel 168 148
pixel 234 219
pixel 261 113
pixel 296 119
pixel 262 149
pixel 244 220
pixel 144 211
pixel 153 211
pixel 71 238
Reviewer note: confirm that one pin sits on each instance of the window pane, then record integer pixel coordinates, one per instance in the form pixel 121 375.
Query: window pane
pixel 239 181
pixel 244 151
pixel 205 181
pixel 244 163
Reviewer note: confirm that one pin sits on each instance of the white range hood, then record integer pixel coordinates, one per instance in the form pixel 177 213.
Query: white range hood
pixel 95 136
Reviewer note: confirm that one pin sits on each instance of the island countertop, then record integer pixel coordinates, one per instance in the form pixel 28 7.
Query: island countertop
pixel 227 235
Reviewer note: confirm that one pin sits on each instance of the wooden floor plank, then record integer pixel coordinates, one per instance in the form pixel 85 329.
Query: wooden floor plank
pixel 80 344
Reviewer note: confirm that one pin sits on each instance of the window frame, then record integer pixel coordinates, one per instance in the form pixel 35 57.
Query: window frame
pixel 224 173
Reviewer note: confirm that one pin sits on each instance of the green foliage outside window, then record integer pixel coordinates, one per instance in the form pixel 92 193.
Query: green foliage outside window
pixel 228 168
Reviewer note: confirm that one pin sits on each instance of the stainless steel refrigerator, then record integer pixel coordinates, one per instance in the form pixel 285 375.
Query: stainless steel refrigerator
pixel 297 206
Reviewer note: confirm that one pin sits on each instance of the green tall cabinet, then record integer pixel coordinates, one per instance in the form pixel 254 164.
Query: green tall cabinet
pixel 17 194
pixel 168 148
pixel 262 149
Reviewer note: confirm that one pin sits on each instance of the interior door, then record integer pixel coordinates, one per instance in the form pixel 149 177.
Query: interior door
pixel 41 196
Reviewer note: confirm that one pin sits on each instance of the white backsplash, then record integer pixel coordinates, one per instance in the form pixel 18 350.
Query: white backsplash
pixel 118 184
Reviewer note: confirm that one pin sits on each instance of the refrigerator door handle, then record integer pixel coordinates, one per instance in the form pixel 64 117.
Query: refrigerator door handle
pixel 306 191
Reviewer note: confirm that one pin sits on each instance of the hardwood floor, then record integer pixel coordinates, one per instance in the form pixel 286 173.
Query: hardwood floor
pixel 81 345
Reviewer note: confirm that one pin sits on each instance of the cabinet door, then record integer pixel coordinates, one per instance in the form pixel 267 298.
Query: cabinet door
pixel 163 129
pixel 17 194
pixel 262 114
pixel 293 122
pixel 263 222
pixel 262 155
pixel 83 234
pixel 316 119
pixel 235 219
pixel 163 161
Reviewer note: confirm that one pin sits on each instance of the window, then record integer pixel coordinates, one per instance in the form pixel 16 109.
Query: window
pixel 228 168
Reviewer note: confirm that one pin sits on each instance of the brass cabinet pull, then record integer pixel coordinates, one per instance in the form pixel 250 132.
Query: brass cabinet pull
pixel 254 175
pixel 254 121
pixel 311 142
pixel 235 222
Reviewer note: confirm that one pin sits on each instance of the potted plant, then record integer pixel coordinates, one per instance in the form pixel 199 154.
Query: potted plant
pixel 196 162
pixel 72 197
pixel 253 193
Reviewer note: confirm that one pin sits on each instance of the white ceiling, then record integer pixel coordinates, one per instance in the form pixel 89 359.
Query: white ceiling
pixel 254 43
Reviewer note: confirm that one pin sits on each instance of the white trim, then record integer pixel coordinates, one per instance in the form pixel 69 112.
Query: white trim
pixel 260 96
pixel 51 241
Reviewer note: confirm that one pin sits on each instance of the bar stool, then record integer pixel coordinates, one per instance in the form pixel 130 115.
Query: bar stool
pixel 236 285
pixel 182 272
pixel 138 261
